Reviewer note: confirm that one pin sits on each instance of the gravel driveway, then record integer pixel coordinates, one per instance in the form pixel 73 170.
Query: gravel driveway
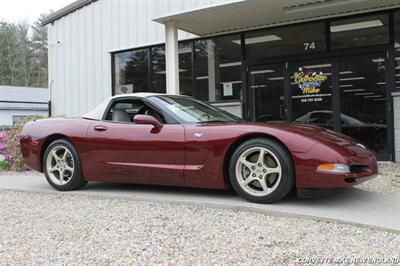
pixel 39 228
pixel 387 182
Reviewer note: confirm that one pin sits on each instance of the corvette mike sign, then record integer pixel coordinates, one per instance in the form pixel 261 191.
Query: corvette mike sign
pixel 310 84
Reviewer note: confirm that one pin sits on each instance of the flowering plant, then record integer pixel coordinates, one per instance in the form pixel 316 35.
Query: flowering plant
pixel 4 147
pixel 13 138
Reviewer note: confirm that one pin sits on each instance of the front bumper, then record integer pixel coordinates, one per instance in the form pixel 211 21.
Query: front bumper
pixel 317 193
pixel 328 181
pixel 362 168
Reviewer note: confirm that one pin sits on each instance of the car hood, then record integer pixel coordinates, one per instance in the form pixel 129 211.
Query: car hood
pixel 315 132
pixel 343 144
pixel 367 126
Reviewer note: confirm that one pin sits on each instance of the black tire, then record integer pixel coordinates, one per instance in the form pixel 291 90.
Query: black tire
pixel 77 180
pixel 287 179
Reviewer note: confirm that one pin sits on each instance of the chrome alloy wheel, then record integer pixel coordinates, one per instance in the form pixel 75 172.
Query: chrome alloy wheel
pixel 258 171
pixel 60 165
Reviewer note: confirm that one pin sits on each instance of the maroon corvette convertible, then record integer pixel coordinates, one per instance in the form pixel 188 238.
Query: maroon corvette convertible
pixel 180 141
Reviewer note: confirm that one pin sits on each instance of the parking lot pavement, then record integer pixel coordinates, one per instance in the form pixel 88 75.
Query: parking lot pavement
pixel 351 205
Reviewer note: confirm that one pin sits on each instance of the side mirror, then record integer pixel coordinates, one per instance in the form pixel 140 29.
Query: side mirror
pixel 147 120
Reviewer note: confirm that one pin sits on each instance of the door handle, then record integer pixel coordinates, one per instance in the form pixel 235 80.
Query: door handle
pixel 282 111
pixel 100 128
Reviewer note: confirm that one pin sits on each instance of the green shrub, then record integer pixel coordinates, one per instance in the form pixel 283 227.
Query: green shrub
pixel 4 165
pixel 14 148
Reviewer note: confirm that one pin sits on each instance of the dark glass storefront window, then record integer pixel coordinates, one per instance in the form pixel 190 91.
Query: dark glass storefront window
pixel 131 71
pixel 158 77
pixel 185 68
pixel 362 86
pixel 360 31
pixel 215 74
pixel 397 47
pixel 218 65
pixel 296 39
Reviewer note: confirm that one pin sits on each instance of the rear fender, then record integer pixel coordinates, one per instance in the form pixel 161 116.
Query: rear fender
pixel 37 135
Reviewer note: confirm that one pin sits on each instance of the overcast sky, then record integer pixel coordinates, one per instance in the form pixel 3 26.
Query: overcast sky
pixel 18 10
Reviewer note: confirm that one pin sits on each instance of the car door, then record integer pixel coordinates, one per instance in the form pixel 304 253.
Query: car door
pixel 128 152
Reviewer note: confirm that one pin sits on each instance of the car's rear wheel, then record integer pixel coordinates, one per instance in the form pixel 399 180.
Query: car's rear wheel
pixel 261 170
pixel 62 166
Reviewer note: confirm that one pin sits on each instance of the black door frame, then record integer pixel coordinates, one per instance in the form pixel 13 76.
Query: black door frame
pixel 333 57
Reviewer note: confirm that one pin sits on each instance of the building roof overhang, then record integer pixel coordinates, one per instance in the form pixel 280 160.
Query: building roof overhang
pixel 66 10
pixel 238 15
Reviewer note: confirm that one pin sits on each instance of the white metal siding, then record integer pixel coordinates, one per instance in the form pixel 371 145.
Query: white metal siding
pixel 80 45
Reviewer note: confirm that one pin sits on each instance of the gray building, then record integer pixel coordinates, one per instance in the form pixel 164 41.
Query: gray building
pixel 332 63
pixel 17 102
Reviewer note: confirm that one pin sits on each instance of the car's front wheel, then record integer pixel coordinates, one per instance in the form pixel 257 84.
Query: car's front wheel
pixel 62 166
pixel 261 170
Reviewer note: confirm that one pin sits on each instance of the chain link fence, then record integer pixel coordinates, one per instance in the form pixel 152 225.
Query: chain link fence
pixel 12 111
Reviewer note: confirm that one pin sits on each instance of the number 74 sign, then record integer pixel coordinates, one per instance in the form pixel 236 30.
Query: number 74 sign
pixel 309 46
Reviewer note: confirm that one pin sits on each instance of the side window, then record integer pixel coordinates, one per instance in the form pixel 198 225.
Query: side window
pixel 124 110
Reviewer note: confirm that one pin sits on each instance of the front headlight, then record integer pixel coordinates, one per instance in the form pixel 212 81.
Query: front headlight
pixel 334 168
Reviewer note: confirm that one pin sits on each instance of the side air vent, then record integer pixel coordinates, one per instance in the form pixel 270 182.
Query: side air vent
pixel 358 168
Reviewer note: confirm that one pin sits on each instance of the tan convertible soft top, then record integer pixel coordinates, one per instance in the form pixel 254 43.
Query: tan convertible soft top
pixel 98 112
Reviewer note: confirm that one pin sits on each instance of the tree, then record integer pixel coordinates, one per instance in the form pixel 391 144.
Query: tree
pixel 23 54
pixel 8 53
pixel 40 45
pixel 24 57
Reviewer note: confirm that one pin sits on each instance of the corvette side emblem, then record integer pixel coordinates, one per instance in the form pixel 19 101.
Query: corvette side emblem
pixel 198 135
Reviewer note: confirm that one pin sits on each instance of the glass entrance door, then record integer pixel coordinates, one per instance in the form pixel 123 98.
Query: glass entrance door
pixel 266 84
pixel 363 102
pixel 346 94
pixel 311 92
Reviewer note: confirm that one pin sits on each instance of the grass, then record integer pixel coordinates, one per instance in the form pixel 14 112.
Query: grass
pixel 4 165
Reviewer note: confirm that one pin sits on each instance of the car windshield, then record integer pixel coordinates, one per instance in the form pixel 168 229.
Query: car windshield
pixel 189 110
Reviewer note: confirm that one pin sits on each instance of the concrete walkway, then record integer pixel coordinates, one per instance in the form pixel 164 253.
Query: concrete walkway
pixel 351 206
